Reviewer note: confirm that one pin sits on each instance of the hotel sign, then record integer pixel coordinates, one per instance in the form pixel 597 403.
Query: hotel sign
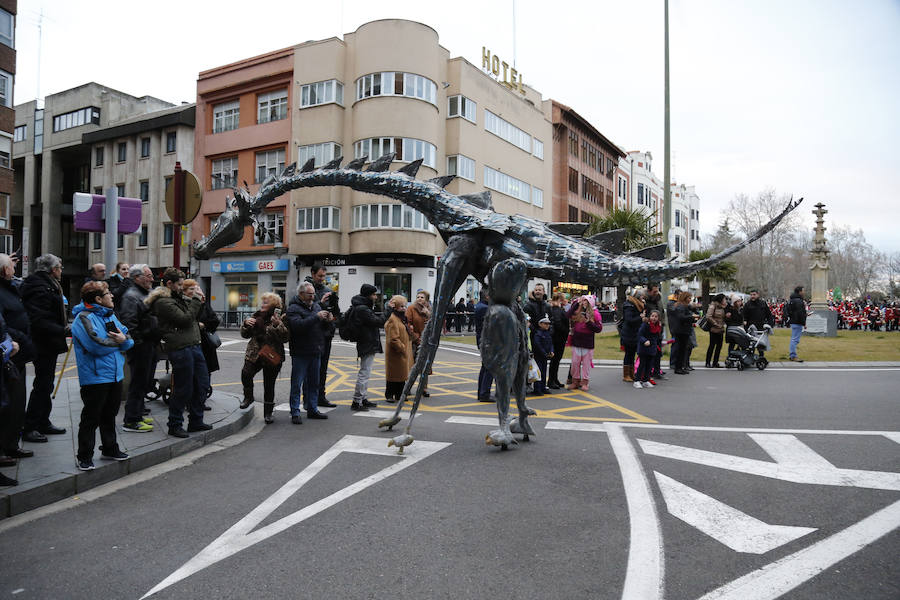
pixel 501 71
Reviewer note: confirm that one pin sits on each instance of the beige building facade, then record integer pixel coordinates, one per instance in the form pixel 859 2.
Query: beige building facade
pixel 391 87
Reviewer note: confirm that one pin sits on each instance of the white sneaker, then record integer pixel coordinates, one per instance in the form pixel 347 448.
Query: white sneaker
pixel 637 385
pixel 647 384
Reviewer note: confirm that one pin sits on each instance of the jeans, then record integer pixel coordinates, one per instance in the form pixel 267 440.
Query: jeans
pixel 796 332
pixel 190 380
pixel 305 368
pixel 142 359
pixel 101 405
pixel 323 371
pixel 360 392
pixel 37 415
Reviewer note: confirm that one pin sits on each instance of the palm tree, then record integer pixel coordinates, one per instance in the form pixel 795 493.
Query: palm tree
pixel 722 272
pixel 639 233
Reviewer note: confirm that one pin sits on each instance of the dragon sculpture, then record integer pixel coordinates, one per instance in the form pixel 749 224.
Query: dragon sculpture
pixel 477 239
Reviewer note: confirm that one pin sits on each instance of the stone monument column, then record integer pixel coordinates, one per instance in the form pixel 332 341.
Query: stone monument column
pixel 822 321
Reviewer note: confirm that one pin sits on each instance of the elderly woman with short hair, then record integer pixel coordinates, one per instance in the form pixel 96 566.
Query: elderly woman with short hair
pixel 398 354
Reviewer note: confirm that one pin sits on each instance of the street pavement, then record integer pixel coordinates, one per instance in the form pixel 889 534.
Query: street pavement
pixel 717 484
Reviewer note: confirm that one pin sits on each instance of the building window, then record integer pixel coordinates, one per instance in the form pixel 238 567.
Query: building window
pixel 461 166
pixel 396 84
pixel 404 149
pixel 75 118
pixel 145 147
pixel 319 218
pixel 98 156
pixel 622 188
pixel 5 149
pixel 170 142
pixel 507 131
pixel 573 180
pixel 4 212
pixel 97 241
pixel 389 216
pixel 145 191
pixel 120 190
pixel 226 116
pixel 591 190
pixel 224 173
pixel 98 189
pixel 142 239
pixel 538 149
pixel 269 163
pixel 6 89
pixel 322 92
pixel 121 152
pixel 573 214
pixel 7 28
pixel 641 194
pixel 323 153
pixel 272 226
pixel 168 234
pixel 272 106
pixel 6 244
pixel 505 184
pixel 120 241
pixel 537 197
pixel 573 143
pixel 677 218
pixel 460 106
pixel 20 133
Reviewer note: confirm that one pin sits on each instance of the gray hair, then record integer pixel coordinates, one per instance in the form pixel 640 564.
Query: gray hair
pixel 5 261
pixel 47 262
pixel 304 284
pixel 137 270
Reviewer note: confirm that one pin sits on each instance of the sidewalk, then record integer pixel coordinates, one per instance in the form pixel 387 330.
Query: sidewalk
pixel 51 474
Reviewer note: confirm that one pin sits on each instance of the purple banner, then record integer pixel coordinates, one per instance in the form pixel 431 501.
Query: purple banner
pixel 88 210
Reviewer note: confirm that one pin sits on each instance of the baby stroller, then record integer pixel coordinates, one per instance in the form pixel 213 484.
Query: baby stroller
pixel 748 342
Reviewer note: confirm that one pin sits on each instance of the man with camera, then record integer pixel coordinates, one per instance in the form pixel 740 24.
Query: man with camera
pixel 328 300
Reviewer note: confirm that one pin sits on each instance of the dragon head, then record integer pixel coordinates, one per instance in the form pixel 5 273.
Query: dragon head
pixel 229 228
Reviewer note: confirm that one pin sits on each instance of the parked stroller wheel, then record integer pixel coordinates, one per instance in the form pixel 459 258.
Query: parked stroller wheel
pixel 209 391
pixel 762 363
pixel 740 366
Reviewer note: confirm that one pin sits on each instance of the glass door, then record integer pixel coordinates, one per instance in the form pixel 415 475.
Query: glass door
pixel 390 285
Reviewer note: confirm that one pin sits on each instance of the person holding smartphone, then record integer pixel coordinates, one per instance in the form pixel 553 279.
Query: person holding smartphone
pixel 100 341
pixel 265 328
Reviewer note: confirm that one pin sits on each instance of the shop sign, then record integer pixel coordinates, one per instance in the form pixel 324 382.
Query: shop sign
pixel 251 266
pixel 501 71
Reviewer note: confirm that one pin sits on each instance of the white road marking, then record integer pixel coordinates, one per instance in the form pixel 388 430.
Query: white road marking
pixel 383 414
pixel 646 567
pixel 759 429
pixel 463 420
pixel 893 436
pixel 230 342
pixel 574 426
pixel 242 535
pixel 797 470
pixel 781 576
pixel 286 406
pixel 725 524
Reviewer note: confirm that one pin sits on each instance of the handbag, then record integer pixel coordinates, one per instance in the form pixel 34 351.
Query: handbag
pixel 214 339
pixel 270 355
pixel 704 323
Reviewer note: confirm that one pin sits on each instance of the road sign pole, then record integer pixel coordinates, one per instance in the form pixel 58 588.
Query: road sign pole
pixel 178 182
pixel 111 218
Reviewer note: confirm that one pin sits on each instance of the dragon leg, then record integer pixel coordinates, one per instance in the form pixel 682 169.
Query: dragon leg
pixel 452 273
pixel 502 436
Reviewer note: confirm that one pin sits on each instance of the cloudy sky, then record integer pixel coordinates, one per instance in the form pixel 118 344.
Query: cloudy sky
pixel 795 95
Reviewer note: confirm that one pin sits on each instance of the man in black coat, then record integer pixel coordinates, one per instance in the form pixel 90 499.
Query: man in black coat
pixel 43 299
pixel 12 415
pixel 307 322
pixel 536 308
pixel 143 328
pixel 368 341
pixel 757 313
pixel 328 300
pixel 796 312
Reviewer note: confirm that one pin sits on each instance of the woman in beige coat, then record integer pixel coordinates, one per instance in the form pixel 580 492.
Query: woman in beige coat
pixel 398 354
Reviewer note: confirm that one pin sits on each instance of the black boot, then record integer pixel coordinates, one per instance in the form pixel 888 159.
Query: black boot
pixel 268 409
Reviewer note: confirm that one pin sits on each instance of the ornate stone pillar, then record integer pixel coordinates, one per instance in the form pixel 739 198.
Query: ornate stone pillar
pixel 822 321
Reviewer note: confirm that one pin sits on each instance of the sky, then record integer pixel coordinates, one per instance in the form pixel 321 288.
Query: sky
pixel 791 95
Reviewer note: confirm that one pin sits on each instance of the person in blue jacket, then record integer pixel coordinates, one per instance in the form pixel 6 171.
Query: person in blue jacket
pixel 100 342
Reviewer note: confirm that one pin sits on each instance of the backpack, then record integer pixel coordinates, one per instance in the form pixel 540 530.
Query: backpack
pixel 347 328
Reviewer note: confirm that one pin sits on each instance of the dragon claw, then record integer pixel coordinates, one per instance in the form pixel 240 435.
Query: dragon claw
pixel 521 425
pixel 500 437
pixel 401 441
pixel 389 423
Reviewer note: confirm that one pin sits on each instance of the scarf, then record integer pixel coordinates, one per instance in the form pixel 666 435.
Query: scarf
pixel 637 303
pixel 655 328
pixel 401 314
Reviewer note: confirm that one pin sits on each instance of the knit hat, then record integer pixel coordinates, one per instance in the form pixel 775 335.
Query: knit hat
pixel 544 320
pixel 367 289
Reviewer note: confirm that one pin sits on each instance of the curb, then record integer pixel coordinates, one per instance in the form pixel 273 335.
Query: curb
pixel 41 492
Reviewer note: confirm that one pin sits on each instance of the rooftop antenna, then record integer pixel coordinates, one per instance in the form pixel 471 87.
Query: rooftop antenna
pixel 37 97
pixel 514 33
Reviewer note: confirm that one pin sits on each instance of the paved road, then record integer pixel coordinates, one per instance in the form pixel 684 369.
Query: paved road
pixel 718 484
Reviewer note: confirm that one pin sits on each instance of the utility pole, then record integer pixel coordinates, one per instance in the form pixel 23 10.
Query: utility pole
pixel 178 217
pixel 667 174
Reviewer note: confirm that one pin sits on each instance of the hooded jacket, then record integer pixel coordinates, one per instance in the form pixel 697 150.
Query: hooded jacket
pixel 537 310
pixel 17 324
pixel 367 324
pixel 100 359
pixel 796 309
pixel 177 317
pixel 43 299
pixel 583 333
